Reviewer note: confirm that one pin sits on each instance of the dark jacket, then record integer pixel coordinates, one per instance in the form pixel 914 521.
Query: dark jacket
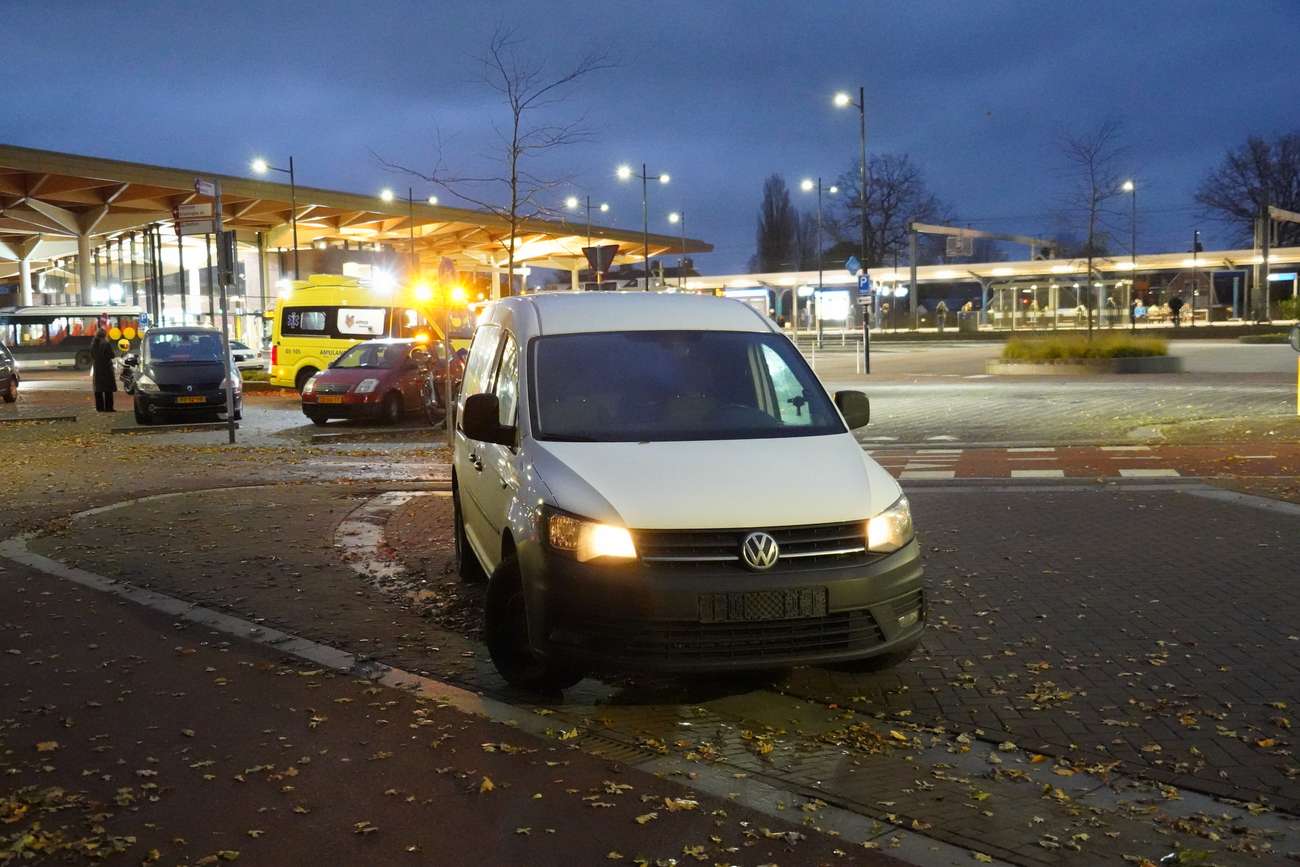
pixel 101 353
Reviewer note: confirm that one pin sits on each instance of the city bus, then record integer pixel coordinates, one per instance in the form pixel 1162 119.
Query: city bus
pixel 318 319
pixel 51 337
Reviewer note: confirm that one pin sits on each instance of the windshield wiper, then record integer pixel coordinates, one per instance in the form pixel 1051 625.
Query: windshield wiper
pixel 571 438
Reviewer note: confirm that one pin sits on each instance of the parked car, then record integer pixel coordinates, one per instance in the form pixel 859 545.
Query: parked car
pixel 179 372
pixel 660 482
pixel 8 375
pixel 246 358
pixel 381 379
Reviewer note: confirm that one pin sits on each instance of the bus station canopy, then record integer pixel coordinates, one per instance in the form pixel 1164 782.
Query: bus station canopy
pixel 49 201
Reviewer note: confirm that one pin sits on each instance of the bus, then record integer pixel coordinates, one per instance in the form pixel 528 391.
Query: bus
pixel 52 337
pixel 318 319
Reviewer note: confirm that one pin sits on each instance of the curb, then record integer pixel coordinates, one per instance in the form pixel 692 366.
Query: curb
pixel 45 418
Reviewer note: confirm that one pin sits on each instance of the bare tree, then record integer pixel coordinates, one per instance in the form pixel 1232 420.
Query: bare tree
pixel 1092 163
pixel 897 196
pixel 528 91
pixel 1257 174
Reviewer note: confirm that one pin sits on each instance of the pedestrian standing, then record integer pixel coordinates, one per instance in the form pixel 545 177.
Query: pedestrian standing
pixel 103 380
pixel 941 313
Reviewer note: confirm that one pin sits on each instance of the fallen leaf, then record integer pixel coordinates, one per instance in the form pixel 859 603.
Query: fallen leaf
pixel 646 817
pixel 486 786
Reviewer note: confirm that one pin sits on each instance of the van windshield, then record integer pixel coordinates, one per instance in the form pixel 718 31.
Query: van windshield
pixel 183 347
pixel 657 386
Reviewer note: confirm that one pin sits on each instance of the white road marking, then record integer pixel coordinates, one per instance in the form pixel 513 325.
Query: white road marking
pixel 939 451
pixel 1038 474
pixel 1148 473
pixel 1052 458
pixel 912 465
pixel 919 475
pixel 1256 457
pixel 1126 448
pixel 941 438
pixel 1034 449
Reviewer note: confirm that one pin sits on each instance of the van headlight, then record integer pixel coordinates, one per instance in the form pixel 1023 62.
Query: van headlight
pixel 587 540
pixel 368 385
pixel 891 529
pixel 147 385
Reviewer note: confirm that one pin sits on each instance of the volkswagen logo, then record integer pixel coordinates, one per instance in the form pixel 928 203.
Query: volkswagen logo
pixel 189 388
pixel 759 551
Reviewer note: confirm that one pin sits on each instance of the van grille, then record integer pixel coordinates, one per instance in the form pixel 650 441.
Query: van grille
pixel 806 547
pixel 706 642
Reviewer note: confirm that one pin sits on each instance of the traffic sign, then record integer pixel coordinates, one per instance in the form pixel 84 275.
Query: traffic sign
pixel 205 188
pixel 956 245
pixel 195 211
pixel 864 284
pixel 852 265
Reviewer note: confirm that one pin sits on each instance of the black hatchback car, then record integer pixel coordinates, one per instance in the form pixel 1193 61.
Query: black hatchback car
pixel 179 372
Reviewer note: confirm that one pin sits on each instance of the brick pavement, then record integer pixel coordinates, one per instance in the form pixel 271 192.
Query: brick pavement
pixel 996 608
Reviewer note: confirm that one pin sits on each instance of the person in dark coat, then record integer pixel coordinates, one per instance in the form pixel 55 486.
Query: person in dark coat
pixel 103 380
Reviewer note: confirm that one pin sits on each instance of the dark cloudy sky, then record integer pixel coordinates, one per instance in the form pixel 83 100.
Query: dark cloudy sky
pixel 719 93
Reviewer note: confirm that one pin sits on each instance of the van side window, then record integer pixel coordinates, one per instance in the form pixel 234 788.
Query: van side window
pixel 791 402
pixel 482 352
pixel 298 320
pixel 507 387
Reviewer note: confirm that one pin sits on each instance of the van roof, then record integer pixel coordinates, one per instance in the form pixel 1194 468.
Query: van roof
pixel 581 312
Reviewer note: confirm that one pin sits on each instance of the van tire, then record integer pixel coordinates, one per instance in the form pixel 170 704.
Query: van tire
pixel 506 633
pixel 142 417
pixel 300 381
pixel 11 391
pixel 467 564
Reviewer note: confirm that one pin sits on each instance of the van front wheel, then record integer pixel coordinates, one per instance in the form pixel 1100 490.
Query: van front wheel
pixel 506 631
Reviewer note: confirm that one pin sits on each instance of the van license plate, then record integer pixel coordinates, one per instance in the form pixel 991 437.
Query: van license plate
pixel 763 605
pixel 195 399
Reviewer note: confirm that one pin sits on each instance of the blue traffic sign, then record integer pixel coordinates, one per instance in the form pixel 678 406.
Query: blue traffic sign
pixel 853 265
pixel 864 284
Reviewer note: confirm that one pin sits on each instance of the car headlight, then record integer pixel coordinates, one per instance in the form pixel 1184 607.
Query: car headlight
pixel 587 540
pixel 145 384
pixel 310 386
pixel 366 386
pixel 891 529
pixel 235 385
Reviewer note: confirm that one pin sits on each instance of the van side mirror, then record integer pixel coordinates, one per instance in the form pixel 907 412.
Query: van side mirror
pixel 479 420
pixel 1295 338
pixel 855 407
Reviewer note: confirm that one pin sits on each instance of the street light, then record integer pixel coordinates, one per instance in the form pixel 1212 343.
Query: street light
pixel 676 218
pixel 386 194
pixel 625 173
pixel 261 167
pixel 808 185
pixel 844 100
pixel 572 203
pixel 433 200
pixel 1131 188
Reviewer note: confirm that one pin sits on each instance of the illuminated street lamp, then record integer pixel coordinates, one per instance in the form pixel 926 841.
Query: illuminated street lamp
pixel 808 185
pixel 625 173
pixel 678 218
pixel 572 203
pixel 261 167
pixel 843 100
pixel 1131 188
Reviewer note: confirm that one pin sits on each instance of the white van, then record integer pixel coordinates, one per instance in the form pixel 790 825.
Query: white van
pixel 660 482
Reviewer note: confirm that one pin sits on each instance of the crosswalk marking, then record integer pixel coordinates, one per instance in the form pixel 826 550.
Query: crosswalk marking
pixel 1034 449
pixel 1147 473
pixel 919 475
pixel 1126 448
pixel 1038 474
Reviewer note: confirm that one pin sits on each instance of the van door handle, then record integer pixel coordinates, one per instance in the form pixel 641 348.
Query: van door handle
pixel 476 461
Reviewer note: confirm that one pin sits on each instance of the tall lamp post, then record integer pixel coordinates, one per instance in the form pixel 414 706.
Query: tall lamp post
pixel 1131 188
pixel 625 173
pixel 261 167
pixel 572 203
pixel 808 185
pixel 679 218
pixel 844 100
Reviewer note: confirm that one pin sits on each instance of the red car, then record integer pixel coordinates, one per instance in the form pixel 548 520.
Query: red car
pixel 382 380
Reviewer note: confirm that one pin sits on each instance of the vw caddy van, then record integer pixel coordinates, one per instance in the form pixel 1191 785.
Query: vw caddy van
pixel 659 482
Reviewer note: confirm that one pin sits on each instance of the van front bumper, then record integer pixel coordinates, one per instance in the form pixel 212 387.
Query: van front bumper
pixel 638 617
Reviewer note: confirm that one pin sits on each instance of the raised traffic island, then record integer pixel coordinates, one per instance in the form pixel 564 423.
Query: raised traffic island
pixel 1078 355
